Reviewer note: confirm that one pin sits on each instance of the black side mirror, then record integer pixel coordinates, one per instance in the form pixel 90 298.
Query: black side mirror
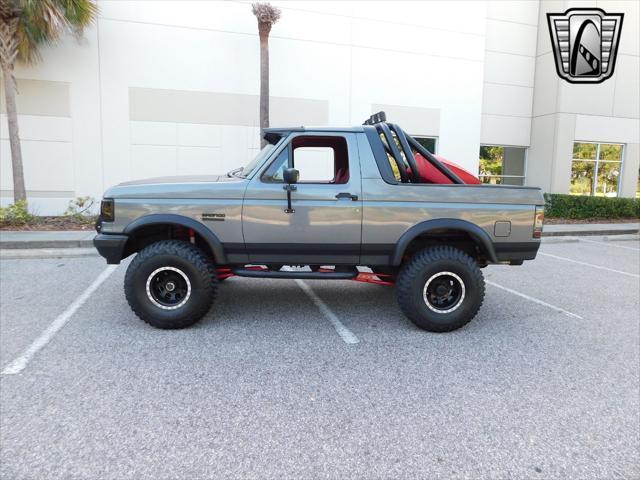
pixel 290 175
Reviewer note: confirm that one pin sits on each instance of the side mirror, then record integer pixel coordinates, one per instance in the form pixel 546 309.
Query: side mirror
pixel 290 175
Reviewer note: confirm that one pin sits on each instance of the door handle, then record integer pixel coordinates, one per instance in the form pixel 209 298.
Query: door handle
pixel 347 195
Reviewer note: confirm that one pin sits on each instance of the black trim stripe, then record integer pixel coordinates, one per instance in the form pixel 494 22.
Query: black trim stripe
pixel 294 248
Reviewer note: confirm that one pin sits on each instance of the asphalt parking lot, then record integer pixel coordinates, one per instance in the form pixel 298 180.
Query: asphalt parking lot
pixel 544 383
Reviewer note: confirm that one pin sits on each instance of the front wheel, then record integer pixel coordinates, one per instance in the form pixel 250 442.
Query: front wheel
pixel 170 284
pixel 440 289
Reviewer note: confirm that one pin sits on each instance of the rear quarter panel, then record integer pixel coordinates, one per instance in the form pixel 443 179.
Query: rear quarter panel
pixel 390 210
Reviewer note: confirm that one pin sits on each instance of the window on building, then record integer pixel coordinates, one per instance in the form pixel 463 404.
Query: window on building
pixel 502 165
pixel 595 169
pixel 430 143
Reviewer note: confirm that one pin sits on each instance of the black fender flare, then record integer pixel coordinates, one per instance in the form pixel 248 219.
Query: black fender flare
pixel 480 236
pixel 201 229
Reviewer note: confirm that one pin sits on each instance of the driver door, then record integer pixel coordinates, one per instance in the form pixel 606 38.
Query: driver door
pixel 326 224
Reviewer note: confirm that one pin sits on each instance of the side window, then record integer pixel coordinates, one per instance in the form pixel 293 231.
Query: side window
pixel 315 164
pixel 319 159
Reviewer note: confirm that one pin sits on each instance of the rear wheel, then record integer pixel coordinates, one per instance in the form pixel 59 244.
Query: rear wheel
pixel 440 289
pixel 170 284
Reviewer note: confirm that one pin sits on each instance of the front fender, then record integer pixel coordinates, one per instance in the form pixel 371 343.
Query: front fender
pixel 201 229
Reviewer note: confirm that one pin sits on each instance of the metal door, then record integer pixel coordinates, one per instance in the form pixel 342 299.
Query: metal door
pixel 326 225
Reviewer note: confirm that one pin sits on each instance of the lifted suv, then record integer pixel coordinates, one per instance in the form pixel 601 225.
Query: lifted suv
pixel 331 200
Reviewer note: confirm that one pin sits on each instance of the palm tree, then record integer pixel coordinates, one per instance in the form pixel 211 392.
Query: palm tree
pixel 267 16
pixel 24 26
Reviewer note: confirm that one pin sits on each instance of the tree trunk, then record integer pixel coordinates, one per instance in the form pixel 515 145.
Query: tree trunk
pixel 264 83
pixel 19 192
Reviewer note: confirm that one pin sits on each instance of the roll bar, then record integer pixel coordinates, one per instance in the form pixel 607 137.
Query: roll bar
pixel 387 130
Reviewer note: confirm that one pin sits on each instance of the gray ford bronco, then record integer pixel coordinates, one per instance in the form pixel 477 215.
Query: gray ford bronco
pixel 321 203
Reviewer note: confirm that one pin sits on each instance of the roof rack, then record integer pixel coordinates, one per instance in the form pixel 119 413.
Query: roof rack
pixel 395 140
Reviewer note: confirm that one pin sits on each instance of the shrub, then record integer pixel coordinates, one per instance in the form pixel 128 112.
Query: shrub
pixel 16 214
pixel 583 207
pixel 80 209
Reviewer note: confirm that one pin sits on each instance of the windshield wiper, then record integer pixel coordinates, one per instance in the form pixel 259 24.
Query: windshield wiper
pixel 233 172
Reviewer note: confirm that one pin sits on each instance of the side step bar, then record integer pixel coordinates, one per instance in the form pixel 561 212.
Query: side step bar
pixel 243 272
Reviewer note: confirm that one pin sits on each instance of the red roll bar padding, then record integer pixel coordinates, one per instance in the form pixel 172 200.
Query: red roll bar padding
pixel 430 174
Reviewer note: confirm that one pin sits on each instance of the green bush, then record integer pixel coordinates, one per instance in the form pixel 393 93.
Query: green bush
pixel 16 214
pixel 79 208
pixel 583 207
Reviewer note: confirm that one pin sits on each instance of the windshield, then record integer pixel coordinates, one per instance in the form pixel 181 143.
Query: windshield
pixel 257 160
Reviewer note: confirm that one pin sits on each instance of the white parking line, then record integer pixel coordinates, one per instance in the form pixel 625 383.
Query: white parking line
pixel 634 275
pixel 535 300
pixel 346 334
pixel 17 365
pixel 609 244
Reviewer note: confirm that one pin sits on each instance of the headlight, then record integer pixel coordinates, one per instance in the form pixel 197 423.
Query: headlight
pixel 538 221
pixel 107 210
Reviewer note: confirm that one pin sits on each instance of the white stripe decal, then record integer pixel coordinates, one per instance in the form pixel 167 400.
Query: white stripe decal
pixel 535 300
pixel 634 275
pixel 17 365
pixel 346 334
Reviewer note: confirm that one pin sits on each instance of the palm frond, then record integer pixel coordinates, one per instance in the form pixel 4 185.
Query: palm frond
pixel 266 13
pixel 43 22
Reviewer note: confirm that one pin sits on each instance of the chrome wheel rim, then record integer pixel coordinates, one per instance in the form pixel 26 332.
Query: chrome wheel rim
pixel 168 288
pixel 444 292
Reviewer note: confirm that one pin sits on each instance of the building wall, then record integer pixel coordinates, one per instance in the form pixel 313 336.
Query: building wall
pixel 509 66
pixel 161 88
pixel 166 87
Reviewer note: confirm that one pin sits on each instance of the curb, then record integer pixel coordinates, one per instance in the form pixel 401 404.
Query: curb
pixel 32 253
pixel 634 237
pixel 587 233
pixel 31 244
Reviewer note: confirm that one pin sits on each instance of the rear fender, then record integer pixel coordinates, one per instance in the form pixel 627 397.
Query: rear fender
pixel 477 234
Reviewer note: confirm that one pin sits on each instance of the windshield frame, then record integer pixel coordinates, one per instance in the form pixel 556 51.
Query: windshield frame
pixel 260 159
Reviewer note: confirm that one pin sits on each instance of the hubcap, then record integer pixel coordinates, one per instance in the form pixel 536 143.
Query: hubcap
pixel 168 288
pixel 444 292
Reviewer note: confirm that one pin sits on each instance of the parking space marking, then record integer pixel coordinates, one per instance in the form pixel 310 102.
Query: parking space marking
pixel 609 244
pixel 346 334
pixel 535 300
pixel 18 364
pixel 600 267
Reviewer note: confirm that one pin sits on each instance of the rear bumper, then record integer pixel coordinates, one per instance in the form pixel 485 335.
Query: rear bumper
pixel 516 251
pixel 110 246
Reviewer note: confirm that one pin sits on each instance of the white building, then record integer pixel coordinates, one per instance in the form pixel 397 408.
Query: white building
pixel 165 88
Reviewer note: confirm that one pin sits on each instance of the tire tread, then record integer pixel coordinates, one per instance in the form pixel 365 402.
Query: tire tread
pixel 410 272
pixel 187 252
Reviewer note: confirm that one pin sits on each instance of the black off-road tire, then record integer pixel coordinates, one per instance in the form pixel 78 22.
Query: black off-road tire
pixel 430 263
pixel 179 256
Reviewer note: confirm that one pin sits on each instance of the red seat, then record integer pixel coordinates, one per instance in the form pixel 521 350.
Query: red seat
pixel 342 176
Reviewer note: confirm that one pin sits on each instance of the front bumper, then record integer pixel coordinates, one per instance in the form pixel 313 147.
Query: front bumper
pixel 110 246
